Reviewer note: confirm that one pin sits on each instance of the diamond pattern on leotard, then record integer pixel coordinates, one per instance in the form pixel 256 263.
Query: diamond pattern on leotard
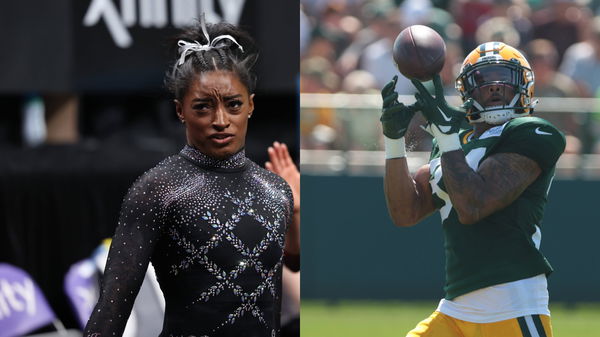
pixel 215 231
pixel 225 231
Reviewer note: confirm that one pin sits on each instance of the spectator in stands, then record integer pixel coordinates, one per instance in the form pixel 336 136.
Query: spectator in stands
pixel 549 82
pixel 377 57
pixel 582 61
pixel 561 22
pixel 498 29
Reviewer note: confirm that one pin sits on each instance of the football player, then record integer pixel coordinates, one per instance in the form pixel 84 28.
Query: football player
pixel 490 183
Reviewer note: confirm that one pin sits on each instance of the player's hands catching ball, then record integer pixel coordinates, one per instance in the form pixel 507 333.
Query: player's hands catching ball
pixel 281 163
pixel 395 116
pixel 446 119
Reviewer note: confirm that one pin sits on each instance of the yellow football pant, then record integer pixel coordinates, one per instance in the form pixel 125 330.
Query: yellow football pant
pixel 441 325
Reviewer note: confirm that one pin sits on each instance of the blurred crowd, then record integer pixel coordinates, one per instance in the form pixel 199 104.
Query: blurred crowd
pixel 346 46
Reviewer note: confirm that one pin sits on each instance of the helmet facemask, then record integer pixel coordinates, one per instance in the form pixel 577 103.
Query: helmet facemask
pixel 500 90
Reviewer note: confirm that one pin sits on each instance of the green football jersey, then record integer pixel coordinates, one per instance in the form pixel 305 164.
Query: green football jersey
pixel 504 246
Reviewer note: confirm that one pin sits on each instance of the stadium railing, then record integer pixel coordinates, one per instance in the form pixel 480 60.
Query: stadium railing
pixel 354 146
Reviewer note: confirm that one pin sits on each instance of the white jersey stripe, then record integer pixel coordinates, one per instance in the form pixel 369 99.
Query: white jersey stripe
pixel 537 237
pixel 531 326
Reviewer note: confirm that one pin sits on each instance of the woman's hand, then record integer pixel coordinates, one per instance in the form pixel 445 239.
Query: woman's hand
pixel 281 163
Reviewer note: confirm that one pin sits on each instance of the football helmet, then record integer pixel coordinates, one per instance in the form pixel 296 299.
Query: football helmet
pixel 501 67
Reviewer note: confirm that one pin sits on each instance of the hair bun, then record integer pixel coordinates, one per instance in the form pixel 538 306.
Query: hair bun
pixel 206 47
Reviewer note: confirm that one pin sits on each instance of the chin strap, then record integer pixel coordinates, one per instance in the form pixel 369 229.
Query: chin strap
pixel 499 114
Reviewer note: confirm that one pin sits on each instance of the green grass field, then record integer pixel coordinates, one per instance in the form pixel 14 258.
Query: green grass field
pixel 382 319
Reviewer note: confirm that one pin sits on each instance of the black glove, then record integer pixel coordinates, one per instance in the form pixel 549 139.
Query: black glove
pixel 395 116
pixel 436 110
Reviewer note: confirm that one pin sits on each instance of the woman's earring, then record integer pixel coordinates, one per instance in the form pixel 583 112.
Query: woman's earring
pixel 183 121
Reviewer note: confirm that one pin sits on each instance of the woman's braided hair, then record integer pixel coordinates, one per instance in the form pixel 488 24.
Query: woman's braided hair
pixel 238 55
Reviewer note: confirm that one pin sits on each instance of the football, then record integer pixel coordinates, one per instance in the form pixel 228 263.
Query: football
pixel 419 52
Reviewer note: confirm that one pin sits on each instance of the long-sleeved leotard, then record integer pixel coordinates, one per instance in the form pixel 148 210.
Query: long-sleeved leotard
pixel 214 231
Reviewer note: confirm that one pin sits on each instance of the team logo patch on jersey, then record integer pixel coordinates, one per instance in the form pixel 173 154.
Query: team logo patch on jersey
pixel 493 132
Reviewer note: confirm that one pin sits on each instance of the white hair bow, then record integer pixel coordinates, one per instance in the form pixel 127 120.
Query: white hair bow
pixel 186 48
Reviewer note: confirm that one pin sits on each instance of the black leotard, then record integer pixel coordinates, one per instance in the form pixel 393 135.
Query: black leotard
pixel 214 231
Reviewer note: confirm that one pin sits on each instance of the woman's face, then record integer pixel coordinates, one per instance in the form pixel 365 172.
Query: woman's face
pixel 215 109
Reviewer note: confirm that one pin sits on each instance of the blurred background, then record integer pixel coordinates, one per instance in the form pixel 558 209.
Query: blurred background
pixel 83 112
pixel 361 275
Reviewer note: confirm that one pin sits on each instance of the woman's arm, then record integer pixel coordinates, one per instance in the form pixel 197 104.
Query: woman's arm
pixel 281 163
pixel 132 245
pixel 408 199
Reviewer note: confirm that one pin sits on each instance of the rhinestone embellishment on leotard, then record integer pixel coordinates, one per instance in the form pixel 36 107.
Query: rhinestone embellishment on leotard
pixel 250 202
pixel 227 280
pixel 236 161
pixel 217 232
